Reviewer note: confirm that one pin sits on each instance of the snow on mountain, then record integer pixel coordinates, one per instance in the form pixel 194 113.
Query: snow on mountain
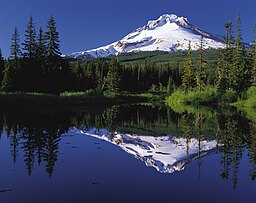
pixel 166 153
pixel 168 33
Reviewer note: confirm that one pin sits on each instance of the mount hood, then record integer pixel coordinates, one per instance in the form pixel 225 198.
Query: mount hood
pixel 168 33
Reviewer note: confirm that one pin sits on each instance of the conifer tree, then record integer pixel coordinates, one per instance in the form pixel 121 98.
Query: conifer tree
pixel 253 60
pixel 221 73
pixel 113 76
pixel 227 57
pixel 41 46
pixel 56 69
pixel 239 71
pixel 200 75
pixel 7 82
pixel 169 86
pixel 78 70
pixel 29 45
pixel 52 39
pixel 225 61
pixel 1 66
pixel 100 74
pixel 14 64
pixel 187 79
pixel 15 45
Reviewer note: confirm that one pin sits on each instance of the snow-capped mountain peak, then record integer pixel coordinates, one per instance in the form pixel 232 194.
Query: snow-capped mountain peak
pixel 167 18
pixel 167 33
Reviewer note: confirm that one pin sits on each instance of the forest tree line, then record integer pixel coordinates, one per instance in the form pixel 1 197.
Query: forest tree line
pixel 232 69
pixel 235 69
pixel 36 65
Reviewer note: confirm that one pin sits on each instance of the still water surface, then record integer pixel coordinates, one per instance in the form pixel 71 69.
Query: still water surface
pixel 128 153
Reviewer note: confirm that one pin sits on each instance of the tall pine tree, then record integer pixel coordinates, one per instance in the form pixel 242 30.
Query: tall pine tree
pixel 14 63
pixel 200 75
pixel 239 71
pixel 113 76
pixel 52 39
pixel 253 60
pixel 57 69
pixel 1 66
pixel 41 45
pixel 29 45
pixel 221 73
pixel 15 45
pixel 228 54
pixel 8 76
pixel 187 78
pixel 100 74
pixel 225 61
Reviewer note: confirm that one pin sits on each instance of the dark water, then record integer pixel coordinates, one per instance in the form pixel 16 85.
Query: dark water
pixel 42 161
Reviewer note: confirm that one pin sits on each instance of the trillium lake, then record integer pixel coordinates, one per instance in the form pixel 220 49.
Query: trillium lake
pixel 127 153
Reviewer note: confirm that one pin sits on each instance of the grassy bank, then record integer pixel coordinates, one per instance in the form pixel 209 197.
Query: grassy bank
pixel 247 105
pixel 209 97
pixel 66 98
pixel 248 100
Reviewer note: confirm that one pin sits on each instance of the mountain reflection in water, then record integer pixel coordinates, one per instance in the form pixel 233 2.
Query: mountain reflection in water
pixel 165 153
pixel 34 136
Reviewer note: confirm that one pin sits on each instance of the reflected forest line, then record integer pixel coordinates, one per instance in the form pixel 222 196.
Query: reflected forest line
pixel 34 135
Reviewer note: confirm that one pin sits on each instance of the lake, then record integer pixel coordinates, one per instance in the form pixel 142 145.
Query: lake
pixel 127 153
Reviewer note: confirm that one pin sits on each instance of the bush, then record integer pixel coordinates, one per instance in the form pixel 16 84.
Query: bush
pixel 227 97
pixel 193 97
pixel 250 93
pixel 209 96
pixel 87 93
pixel 249 99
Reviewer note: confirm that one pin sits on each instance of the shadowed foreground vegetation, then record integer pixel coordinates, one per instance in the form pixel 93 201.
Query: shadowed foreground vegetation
pixel 66 98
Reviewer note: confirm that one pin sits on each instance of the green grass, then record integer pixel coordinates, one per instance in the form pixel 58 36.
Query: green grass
pixel 208 97
pixel 156 98
pixel 248 100
pixel 192 97
pixel 247 105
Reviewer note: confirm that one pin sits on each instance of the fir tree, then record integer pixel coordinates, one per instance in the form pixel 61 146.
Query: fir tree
pixel 253 60
pixel 221 74
pixel 52 39
pixel 56 69
pixel 15 67
pixel 113 76
pixel 169 86
pixel 1 66
pixel 41 46
pixel 227 58
pixel 7 82
pixel 200 75
pixel 79 75
pixel 78 70
pixel 29 45
pixel 187 79
pixel 100 74
pixel 228 38
pixel 15 45
pixel 41 62
pixel 239 71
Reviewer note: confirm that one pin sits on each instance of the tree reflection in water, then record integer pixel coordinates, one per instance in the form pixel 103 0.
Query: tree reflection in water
pixel 34 135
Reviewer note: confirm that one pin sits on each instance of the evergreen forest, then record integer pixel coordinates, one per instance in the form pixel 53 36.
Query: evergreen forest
pixel 205 76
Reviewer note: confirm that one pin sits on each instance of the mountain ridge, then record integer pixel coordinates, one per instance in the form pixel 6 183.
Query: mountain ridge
pixel 168 33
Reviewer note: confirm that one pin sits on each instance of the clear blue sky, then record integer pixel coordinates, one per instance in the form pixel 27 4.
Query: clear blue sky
pixel 86 24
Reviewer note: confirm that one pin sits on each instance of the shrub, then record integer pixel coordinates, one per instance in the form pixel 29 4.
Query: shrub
pixel 193 97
